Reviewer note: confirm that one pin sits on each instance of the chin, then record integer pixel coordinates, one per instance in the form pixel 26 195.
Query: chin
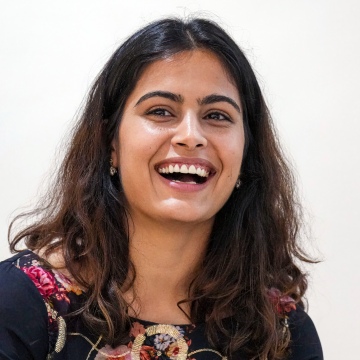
pixel 185 213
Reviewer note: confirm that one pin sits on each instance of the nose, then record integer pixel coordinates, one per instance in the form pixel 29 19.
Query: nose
pixel 189 133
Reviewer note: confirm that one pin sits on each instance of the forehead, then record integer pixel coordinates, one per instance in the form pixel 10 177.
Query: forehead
pixel 186 73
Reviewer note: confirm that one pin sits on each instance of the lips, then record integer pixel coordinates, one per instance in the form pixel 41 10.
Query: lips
pixel 188 172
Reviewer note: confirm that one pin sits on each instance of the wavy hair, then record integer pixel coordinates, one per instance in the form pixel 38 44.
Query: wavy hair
pixel 254 241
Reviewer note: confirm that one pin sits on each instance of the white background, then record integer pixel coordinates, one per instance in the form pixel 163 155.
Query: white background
pixel 307 57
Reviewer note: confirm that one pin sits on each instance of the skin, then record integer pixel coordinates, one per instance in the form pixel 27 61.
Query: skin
pixel 173 117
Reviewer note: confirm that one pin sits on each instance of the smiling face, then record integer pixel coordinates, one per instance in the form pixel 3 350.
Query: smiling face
pixel 181 139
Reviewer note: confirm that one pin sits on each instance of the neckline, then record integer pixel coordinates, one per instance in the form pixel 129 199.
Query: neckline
pixel 152 323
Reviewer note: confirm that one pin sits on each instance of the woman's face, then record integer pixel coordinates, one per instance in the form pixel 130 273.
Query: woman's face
pixel 181 140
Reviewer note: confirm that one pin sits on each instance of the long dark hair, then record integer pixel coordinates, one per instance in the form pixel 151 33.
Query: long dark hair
pixel 253 244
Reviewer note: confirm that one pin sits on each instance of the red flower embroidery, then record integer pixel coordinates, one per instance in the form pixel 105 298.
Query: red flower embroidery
pixel 172 350
pixel 137 329
pixel 282 303
pixel 147 352
pixel 43 280
pixel 62 296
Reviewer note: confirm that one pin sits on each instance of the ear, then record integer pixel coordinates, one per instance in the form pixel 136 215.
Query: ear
pixel 114 154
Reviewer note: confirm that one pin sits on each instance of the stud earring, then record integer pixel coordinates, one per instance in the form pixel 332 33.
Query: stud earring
pixel 238 183
pixel 113 169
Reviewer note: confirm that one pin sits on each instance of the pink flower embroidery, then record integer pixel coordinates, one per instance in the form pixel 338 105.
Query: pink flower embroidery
pixel 283 303
pixel 107 353
pixel 137 329
pixel 43 280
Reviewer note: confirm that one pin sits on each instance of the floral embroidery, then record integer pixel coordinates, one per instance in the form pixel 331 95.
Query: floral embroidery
pixel 162 341
pixel 172 351
pixel 148 353
pixel 43 280
pixel 137 329
pixel 283 303
pixel 153 346
pixel 66 283
pixel 108 353
pixel 55 288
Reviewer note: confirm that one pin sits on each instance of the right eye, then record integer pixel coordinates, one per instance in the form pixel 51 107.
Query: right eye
pixel 161 112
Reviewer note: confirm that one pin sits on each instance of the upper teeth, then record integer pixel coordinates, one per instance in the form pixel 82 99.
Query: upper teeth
pixel 184 169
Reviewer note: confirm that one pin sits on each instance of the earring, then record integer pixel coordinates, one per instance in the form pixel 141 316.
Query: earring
pixel 238 183
pixel 113 169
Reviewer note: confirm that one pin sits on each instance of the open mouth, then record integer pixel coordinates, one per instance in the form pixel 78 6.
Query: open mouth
pixel 189 174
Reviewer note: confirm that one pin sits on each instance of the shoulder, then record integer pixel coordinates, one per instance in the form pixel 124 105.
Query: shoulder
pixel 37 298
pixel 15 283
pixel 305 343
pixel 304 340
pixel 24 322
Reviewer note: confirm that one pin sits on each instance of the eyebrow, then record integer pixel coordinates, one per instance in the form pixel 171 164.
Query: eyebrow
pixel 210 99
pixel 214 98
pixel 165 94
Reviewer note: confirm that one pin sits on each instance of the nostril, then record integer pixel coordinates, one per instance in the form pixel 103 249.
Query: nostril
pixel 183 144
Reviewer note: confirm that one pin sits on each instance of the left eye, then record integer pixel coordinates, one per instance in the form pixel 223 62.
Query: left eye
pixel 217 116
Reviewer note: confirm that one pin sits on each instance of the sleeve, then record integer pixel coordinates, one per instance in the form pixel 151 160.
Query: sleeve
pixel 23 317
pixel 305 343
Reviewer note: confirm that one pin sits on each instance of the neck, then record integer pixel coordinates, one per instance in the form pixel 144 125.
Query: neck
pixel 166 257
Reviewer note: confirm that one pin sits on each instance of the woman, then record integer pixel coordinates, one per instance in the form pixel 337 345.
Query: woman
pixel 174 205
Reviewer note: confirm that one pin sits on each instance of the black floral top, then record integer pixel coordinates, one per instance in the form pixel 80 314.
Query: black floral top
pixel 35 300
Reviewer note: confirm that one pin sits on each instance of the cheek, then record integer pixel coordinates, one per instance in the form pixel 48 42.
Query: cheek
pixel 233 150
pixel 137 151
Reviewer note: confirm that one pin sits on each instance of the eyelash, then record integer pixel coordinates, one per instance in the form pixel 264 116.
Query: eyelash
pixel 161 112
pixel 218 114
